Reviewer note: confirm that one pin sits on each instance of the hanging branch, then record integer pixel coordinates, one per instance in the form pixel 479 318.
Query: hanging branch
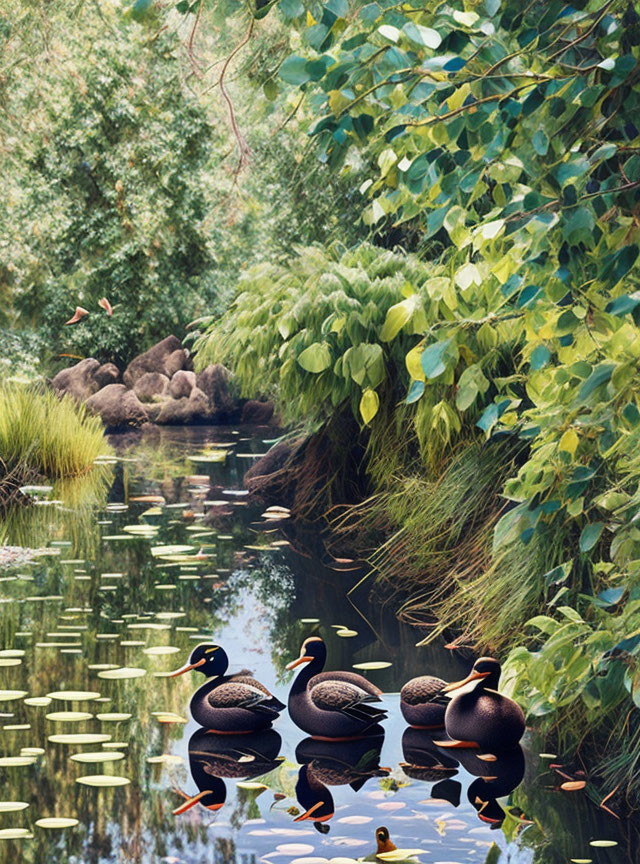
pixel 243 147
pixel 192 38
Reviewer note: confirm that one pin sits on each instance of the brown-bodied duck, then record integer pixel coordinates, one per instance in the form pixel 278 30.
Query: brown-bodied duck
pixel 423 702
pixel 384 843
pixel 228 704
pixel 482 717
pixel 331 705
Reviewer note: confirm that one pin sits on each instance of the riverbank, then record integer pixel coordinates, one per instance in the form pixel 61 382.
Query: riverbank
pixel 173 552
pixel 489 473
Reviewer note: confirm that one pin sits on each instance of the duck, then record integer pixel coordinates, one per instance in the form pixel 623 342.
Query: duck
pixel 384 843
pixel 423 702
pixel 228 704
pixel 385 847
pixel 331 706
pixel 481 717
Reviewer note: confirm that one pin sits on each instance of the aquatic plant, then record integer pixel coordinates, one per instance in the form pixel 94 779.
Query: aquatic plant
pixel 47 435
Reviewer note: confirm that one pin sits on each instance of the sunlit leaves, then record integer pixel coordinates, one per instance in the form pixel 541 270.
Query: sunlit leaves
pixel 316 358
pixel 369 404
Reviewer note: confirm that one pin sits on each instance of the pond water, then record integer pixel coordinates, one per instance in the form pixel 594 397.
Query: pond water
pixel 158 550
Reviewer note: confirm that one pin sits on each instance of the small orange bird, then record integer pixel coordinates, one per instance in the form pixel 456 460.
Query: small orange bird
pixel 104 303
pixel 384 842
pixel 78 315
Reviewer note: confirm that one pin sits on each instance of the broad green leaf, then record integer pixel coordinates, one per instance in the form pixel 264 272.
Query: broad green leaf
pixel 316 358
pixel 569 441
pixel 369 404
pixel 397 316
pixel 590 536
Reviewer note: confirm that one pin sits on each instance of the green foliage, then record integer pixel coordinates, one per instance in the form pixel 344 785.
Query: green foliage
pixel 309 330
pixel 509 136
pixel 105 197
pixel 20 353
pixel 43 433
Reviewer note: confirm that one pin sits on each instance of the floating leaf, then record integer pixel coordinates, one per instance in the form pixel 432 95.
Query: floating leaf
pixel 68 716
pixel 79 738
pixel 165 759
pixel 113 717
pixel 15 834
pixel 12 806
pixel 103 780
pixel 160 650
pixel 16 761
pixel 10 695
pixel 74 695
pixel 98 756
pixel 123 673
pixel 57 822
pixel 573 785
pixel 372 664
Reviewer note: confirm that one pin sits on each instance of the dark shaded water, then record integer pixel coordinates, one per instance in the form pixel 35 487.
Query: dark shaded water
pixel 107 613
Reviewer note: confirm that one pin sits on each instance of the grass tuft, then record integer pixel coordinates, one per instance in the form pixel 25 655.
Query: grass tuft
pixel 42 433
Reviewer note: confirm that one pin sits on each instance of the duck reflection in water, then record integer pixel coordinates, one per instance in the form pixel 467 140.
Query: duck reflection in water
pixel 334 763
pixel 241 757
pixel 498 774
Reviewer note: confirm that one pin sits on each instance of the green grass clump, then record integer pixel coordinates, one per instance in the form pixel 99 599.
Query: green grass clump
pixel 42 433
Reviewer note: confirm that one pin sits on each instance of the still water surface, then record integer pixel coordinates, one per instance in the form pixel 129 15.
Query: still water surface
pixel 91 629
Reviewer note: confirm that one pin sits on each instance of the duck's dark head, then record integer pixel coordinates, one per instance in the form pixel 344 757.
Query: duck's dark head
pixel 485 669
pixel 312 648
pixel 207 658
pixel 384 841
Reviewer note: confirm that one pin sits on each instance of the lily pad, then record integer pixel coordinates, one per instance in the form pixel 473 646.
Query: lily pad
pixel 160 650
pixel 103 781
pixel 69 716
pixel 16 761
pixel 123 673
pixel 12 806
pixel 165 759
pixel 74 695
pixel 57 822
pixel 10 695
pixel 79 738
pixel 98 756
pixel 113 717
pixel 15 834
pixel 372 664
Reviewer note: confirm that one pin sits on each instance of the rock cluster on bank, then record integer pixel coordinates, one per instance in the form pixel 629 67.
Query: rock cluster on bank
pixel 159 386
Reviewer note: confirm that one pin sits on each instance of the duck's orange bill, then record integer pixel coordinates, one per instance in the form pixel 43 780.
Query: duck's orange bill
pixel 311 811
pixel 187 668
pixel 297 662
pixel 472 676
pixel 191 802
